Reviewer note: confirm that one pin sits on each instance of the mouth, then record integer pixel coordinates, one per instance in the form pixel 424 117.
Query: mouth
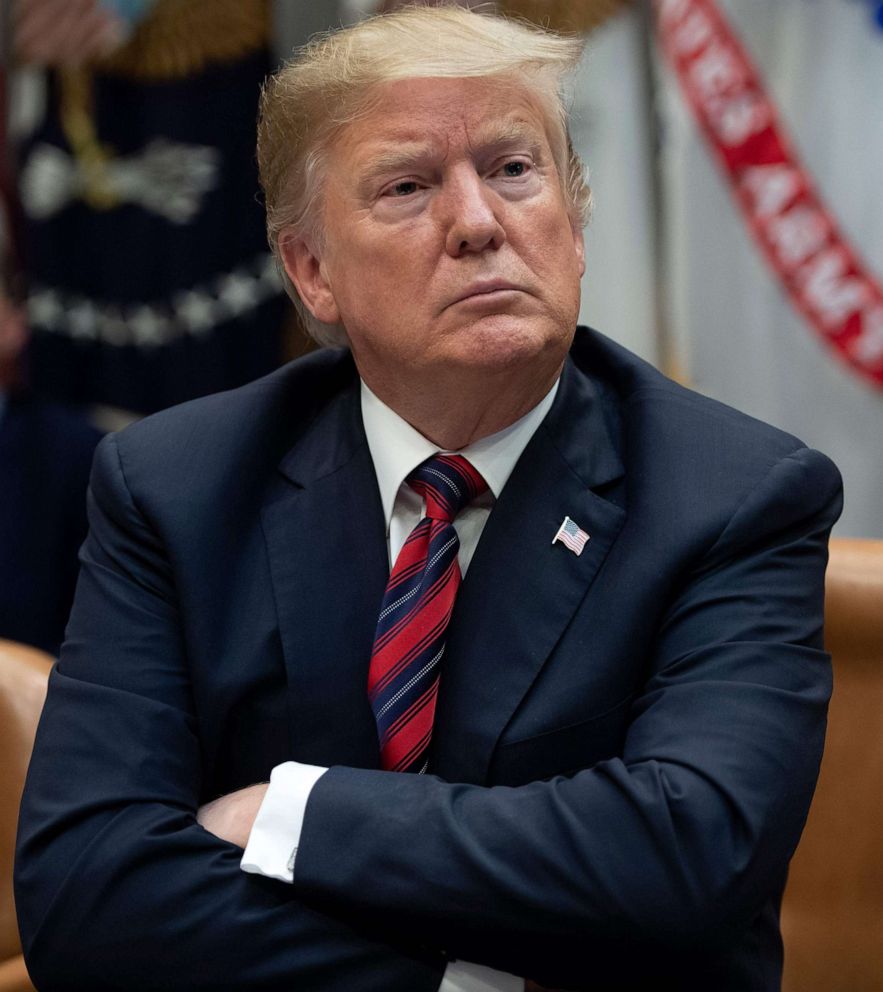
pixel 486 290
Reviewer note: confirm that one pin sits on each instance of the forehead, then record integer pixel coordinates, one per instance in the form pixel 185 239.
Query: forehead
pixel 440 115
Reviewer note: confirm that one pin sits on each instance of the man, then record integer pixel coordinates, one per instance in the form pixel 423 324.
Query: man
pixel 621 708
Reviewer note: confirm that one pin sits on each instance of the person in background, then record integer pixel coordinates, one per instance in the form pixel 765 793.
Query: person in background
pixel 149 277
pixel 45 453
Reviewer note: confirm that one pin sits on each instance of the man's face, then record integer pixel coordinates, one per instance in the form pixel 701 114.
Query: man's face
pixel 448 244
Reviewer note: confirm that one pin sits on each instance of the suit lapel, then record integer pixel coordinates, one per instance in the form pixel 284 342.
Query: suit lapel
pixel 324 531
pixel 521 591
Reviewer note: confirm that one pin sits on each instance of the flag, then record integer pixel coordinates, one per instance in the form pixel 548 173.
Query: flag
pixel 572 536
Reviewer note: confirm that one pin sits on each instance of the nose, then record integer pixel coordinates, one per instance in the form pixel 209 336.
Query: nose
pixel 472 218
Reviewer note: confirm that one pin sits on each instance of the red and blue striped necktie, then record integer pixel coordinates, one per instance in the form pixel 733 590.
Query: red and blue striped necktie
pixel 410 639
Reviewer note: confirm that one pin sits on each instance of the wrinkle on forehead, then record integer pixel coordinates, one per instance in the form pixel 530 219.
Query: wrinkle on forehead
pixel 412 120
pixel 403 153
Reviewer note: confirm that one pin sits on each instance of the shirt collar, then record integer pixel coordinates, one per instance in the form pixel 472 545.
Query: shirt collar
pixel 397 448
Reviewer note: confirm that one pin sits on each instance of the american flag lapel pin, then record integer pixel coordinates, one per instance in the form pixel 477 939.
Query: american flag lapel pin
pixel 571 535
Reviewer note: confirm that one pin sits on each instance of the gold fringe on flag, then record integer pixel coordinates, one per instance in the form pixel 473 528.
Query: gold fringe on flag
pixel 178 38
pixel 569 16
pixel 181 37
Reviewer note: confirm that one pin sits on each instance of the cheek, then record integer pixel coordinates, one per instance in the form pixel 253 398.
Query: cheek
pixel 379 307
pixel 557 265
pixel 557 243
pixel 394 278
pixel 545 232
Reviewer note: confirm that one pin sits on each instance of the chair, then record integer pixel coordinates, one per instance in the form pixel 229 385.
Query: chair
pixel 24 672
pixel 832 914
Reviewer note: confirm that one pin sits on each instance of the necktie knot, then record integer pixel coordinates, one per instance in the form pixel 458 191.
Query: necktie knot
pixel 447 483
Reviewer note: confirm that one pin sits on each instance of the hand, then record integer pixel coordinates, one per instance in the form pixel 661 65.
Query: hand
pixel 65 32
pixel 231 817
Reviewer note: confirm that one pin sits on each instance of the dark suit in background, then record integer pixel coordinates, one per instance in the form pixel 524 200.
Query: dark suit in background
pixel 658 703
pixel 45 454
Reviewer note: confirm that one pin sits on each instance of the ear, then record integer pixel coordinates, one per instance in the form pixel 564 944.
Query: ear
pixel 579 246
pixel 305 269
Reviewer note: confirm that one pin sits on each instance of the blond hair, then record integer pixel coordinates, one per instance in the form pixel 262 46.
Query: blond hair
pixel 333 79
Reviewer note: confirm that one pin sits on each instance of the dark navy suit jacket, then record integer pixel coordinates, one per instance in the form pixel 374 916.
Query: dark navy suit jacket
pixel 626 741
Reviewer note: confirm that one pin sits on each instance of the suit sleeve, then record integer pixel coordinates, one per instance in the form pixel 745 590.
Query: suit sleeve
pixel 117 886
pixel 668 849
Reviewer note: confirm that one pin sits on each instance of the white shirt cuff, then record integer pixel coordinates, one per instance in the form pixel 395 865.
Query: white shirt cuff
pixel 275 834
pixel 461 976
pixel 272 849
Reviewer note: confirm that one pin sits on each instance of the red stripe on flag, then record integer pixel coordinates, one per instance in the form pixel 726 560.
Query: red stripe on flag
pixel 816 266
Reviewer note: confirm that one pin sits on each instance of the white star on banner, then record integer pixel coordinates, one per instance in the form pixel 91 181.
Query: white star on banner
pixel 196 309
pixel 269 274
pixel 148 327
pixel 44 309
pixel 238 293
pixel 113 329
pixel 82 319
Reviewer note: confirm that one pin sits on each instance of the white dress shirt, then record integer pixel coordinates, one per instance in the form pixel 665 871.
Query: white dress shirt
pixel 396 450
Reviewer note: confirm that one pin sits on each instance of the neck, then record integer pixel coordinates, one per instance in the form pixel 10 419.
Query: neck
pixel 455 414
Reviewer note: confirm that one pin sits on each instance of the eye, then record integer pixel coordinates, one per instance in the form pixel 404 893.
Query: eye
pixel 514 169
pixel 404 188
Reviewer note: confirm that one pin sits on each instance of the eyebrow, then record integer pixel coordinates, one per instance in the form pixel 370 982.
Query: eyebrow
pixel 406 156
pixel 398 160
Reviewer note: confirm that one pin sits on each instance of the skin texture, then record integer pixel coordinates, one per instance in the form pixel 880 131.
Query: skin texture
pixel 442 188
pixel 231 817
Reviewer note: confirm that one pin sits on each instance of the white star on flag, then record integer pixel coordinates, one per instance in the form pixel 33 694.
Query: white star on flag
pixel 571 535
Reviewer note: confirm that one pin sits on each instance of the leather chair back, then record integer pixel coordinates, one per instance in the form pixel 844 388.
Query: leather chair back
pixel 24 672
pixel 832 915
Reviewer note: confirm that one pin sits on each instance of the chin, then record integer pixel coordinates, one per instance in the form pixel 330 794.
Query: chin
pixel 501 342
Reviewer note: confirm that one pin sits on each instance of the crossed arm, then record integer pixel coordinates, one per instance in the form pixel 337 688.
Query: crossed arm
pixel 662 848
